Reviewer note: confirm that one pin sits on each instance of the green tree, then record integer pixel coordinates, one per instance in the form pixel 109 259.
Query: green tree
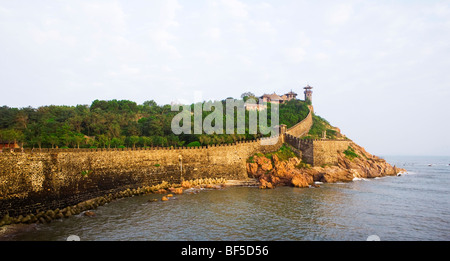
pixel 78 138
pixel 118 141
pixel 194 144
pixel 145 141
pixel 133 140
pixel 64 134
pixel 173 140
pixel 52 139
pixel 12 136
pixel 104 141
pixel 7 117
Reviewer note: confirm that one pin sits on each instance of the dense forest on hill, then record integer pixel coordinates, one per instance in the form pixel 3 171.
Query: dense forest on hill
pixel 118 123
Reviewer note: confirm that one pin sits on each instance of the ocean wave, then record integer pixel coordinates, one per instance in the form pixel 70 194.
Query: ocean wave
pixel 318 182
pixel 356 179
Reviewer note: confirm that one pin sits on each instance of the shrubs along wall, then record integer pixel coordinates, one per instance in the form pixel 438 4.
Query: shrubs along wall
pixel 51 179
pixel 302 128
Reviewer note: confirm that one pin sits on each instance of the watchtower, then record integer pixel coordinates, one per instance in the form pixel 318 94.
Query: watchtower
pixel 308 93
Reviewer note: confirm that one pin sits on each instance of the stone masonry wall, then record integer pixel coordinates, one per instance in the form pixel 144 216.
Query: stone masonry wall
pixel 50 179
pixel 302 128
pixel 326 151
pixel 318 152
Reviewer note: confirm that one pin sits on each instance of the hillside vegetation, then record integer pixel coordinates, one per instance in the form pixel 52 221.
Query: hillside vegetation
pixel 118 123
pixel 320 125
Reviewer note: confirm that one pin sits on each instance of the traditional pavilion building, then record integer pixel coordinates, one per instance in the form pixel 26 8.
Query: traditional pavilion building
pixel 275 98
pixel 290 96
pixel 272 98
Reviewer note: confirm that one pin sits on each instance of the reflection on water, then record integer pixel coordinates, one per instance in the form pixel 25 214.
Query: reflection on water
pixel 410 207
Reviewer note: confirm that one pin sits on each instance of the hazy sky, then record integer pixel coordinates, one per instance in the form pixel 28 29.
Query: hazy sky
pixel 380 69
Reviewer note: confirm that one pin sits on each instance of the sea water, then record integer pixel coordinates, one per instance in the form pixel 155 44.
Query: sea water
pixel 413 206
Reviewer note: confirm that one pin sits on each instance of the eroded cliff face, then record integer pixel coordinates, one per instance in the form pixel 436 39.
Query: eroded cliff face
pixel 273 172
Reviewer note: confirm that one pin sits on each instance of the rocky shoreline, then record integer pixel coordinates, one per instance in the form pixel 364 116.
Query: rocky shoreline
pixel 13 225
pixel 356 163
pixel 85 207
pixel 263 172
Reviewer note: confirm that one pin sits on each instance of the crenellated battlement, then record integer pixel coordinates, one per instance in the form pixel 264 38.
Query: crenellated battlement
pixel 75 150
pixel 318 151
pixel 40 179
pixel 55 178
pixel 297 139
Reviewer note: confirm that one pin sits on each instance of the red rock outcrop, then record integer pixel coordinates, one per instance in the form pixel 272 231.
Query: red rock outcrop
pixel 274 172
pixel 271 173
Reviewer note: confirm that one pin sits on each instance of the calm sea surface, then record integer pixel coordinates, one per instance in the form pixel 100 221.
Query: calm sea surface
pixel 415 206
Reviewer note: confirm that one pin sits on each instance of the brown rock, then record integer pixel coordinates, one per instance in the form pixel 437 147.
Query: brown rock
pixel 264 163
pixel 301 181
pixel 275 172
pixel 89 214
pixel 336 174
pixel 276 160
pixel 186 184
pixel 178 191
pixel 252 168
pixel 265 184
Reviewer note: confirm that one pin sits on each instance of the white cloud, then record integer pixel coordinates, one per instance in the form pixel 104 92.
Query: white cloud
pixel 235 8
pixel 245 60
pixel 340 14
pixel 161 31
pixel 264 5
pixel 302 39
pixel 166 68
pixel 263 27
pixel 5 11
pixel 104 16
pixel 295 54
pixel 168 13
pixel 440 9
pixel 128 70
pixel 164 42
pixel 209 58
pixel 214 33
pixel 322 56
pixel 238 28
pixel 222 46
pixel 47 36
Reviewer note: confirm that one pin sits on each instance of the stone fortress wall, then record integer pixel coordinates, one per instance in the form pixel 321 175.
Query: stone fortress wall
pixel 318 152
pixel 40 180
pixel 302 128
pixel 55 178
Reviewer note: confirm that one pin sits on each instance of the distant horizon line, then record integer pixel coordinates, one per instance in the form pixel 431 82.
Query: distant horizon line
pixel 412 155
